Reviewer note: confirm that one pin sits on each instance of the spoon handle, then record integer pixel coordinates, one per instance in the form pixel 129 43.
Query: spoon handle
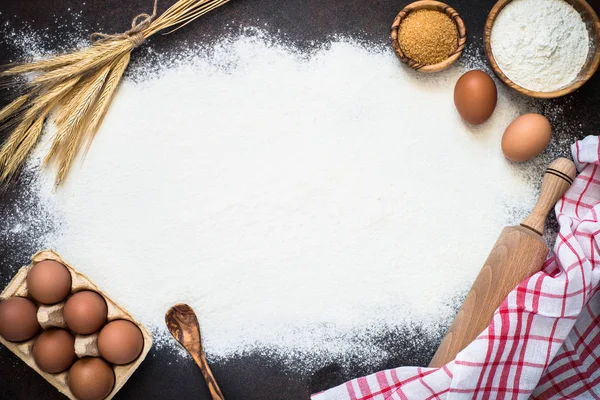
pixel 213 387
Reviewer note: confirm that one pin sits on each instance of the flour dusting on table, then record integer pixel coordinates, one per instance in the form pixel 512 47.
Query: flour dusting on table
pixel 296 202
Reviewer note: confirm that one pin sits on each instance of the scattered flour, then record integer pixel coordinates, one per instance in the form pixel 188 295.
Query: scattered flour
pixel 294 202
pixel 540 45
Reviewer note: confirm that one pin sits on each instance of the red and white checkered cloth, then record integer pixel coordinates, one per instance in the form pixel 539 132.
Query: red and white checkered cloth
pixel 544 340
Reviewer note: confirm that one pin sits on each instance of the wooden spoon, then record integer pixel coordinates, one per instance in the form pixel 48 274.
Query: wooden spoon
pixel 183 325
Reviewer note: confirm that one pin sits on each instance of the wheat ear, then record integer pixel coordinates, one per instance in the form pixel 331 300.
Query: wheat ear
pixel 106 96
pixel 81 85
pixel 71 122
pixel 23 139
pixel 29 138
pixel 13 107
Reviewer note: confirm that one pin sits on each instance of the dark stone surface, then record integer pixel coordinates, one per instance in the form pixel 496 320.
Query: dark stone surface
pixel 263 374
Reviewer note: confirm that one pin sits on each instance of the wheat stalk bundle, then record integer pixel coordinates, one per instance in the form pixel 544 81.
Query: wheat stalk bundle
pixel 79 86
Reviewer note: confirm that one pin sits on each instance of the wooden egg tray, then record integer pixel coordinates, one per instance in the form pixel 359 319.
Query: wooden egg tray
pixel 51 316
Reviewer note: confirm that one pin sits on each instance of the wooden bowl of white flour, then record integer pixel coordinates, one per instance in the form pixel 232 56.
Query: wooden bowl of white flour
pixel 543 48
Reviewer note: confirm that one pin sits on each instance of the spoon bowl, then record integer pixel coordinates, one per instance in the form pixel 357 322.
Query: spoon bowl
pixel 183 324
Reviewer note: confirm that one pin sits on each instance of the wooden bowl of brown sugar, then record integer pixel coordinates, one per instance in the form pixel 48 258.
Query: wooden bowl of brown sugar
pixel 428 36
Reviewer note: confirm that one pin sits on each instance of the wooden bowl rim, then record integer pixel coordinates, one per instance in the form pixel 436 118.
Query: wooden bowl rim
pixel 429 4
pixel 576 84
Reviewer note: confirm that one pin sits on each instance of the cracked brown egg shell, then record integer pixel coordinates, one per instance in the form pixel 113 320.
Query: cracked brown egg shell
pixel 91 378
pixel 120 342
pixel 54 350
pixel 49 282
pixel 18 319
pixel 85 312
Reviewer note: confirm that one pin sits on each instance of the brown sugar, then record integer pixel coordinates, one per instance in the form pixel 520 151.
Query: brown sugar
pixel 428 36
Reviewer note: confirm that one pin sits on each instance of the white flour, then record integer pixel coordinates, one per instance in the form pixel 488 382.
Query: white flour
pixel 294 202
pixel 540 45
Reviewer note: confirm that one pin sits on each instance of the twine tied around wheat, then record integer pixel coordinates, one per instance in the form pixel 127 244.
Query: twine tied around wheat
pixel 76 90
pixel 134 35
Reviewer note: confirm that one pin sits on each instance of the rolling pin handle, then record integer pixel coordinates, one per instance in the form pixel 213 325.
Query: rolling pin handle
pixel 558 177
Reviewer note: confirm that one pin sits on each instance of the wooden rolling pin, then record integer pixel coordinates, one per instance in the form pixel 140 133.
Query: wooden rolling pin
pixel 519 252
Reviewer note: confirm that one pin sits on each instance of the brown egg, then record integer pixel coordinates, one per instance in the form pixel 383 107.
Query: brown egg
pixel 18 319
pixel 475 97
pixel 91 378
pixel 120 342
pixel 49 282
pixel 54 351
pixel 526 137
pixel 85 312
